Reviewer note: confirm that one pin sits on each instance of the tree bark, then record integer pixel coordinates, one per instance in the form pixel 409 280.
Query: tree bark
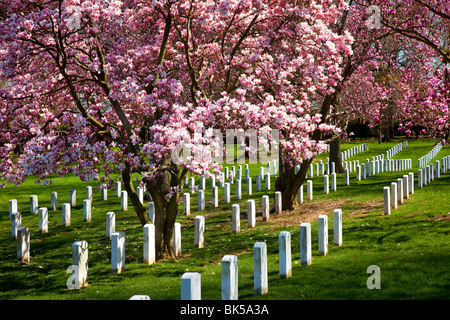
pixel 336 155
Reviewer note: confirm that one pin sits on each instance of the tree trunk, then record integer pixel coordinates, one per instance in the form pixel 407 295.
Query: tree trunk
pixel 289 182
pixel 133 197
pixel 336 155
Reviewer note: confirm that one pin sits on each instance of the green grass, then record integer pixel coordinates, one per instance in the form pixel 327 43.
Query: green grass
pixel 411 246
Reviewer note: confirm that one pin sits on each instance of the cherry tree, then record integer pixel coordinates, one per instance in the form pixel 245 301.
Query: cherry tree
pixel 109 90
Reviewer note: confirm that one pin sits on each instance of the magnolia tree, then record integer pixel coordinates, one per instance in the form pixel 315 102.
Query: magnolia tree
pixel 138 91
pixel 425 78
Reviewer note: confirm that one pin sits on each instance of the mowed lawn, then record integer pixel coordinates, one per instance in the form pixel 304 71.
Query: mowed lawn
pixel 410 246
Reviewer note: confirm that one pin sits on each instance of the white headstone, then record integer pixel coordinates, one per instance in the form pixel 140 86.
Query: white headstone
pixel 149 243
pixel 191 286
pixel 249 186
pixel 309 190
pixel 278 202
pixel 201 200
pixel 394 195
pixel 104 192
pixel 238 189
pixel 199 238
pixel 43 220
pixel 284 249
pixel 110 224
pixel 34 204
pixel 12 207
pixel 229 277
pixel 16 223
pixel 124 200
pixel 265 208
pixel 326 184
pixel 186 204
pixel 73 197
pixel 236 218
pixel 305 243
pixel 89 193
pixel 387 200
pixel 118 252
pixel 87 212
pixel 251 213
pixel 66 214
pixel 300 195
pixel 337 226
pixel 323 234
pixel 177 239
pixel 215 196
pixel 227 192
pixel 260 268
pixel 151 212
pixel 23 244
pixel 118 189
pixel 80 259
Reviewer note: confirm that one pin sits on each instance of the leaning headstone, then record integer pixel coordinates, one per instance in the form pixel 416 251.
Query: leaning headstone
pixel 16 223
pixel 323 234
pixel 387 200
pixel 23 244
pixel 118 252
pixel 149 243
pixel 337 226
pixel 12 207
pixel 235 218
pixel 34 204
pixel 73 197
pixel 66 214
pixel 43 220
pixel 110 224
pixel 80 260
pixel 278 202
pixel 229 277
pixel 186 204
pixel 191 286
pixel 251 213
pixel 87 216
pixel 199 238
pixel 124 200
pixel 177 239
pixel 260 268
pixel 284 251
pixel 265 208
pixel 305 243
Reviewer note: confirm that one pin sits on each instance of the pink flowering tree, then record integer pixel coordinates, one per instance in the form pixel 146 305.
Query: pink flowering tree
pixel 111 90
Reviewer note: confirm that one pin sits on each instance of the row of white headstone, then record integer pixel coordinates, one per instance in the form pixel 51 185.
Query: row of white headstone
pixel 400 190
pixel 191 281
pixel 424 160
